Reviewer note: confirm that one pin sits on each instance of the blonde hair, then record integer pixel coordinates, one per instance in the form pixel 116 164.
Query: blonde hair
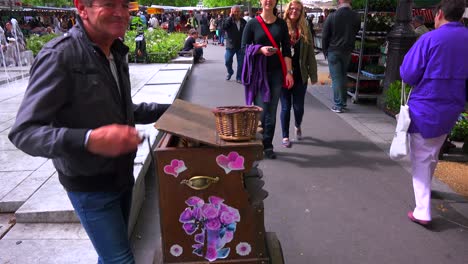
pixel 301 23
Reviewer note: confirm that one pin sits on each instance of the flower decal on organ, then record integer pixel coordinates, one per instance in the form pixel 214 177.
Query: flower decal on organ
pixel 216 223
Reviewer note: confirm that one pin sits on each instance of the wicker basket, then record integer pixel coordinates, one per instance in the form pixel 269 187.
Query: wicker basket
pixel 237 123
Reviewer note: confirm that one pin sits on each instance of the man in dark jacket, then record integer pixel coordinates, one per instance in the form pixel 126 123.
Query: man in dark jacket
pixel 78 111
pixel 338 37
pixel 234 26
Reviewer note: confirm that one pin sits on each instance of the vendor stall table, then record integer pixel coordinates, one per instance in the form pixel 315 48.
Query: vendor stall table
pixel 210 193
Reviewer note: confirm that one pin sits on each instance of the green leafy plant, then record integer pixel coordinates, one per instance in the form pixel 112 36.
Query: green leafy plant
pixel 376 5
pixel 375 69
pixel 393 96
pixel 35 42
pixel 460 130
pixel 161 47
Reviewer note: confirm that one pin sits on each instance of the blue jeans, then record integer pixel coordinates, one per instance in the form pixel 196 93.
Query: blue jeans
pixel 268 117
pixel 221 36
pixel 338 65
pixel 198 53
pixel 104 216
pixel 295 97
pixel 228 58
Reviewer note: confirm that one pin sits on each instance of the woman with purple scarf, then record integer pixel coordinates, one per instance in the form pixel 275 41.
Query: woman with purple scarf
pixel 255 36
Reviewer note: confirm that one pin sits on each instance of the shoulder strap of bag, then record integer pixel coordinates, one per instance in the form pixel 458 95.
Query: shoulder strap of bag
pixel 403 98
pixel 278 51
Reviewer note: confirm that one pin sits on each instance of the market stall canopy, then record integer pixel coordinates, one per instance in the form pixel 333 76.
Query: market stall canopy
pixel 154 10
pixel 174 8
pixel 428 14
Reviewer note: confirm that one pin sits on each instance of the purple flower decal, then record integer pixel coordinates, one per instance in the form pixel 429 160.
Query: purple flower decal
pixel 194 201
pixel 198 249
pixel 215 200
pixel 213 224
pixel 226 218
pixel 197 213
pixel 217 222
pixel 228 236
pixel 186 216
pixel 211 254
pixel 200 238
pixel 189 228
pixel 210 211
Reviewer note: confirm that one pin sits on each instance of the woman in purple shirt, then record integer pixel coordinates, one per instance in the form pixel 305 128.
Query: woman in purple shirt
pixel 437 67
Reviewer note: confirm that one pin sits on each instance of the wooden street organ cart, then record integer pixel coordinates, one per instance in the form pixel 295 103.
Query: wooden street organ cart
pixel 210 193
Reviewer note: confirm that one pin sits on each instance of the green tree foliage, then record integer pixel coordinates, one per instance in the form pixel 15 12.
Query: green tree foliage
pixel 58 3
pixel 216 3
pixel 376 5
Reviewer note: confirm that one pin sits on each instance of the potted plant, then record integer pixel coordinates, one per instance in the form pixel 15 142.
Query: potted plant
pixel 393 98
pixel 460 131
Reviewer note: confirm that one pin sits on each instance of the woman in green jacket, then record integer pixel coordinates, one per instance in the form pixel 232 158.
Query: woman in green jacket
pixel 304 67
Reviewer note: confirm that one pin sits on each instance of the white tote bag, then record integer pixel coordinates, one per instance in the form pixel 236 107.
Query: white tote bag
pixel 400 144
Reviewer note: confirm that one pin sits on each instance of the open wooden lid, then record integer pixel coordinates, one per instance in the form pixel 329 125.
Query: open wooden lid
pixel 196 122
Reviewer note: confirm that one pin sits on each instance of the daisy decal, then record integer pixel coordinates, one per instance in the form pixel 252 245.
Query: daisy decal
pixel 243 249
pixel 176 250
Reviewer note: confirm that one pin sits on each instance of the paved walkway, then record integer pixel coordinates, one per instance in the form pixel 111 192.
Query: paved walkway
pixel 336 197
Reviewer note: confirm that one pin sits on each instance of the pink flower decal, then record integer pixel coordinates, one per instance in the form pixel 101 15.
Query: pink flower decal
pixel 243 249
pixel 233 161
pixel 176 167
pixel 209 211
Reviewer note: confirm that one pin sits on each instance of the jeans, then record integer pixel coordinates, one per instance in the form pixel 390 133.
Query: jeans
pixel 197 54
pixel 228 58
pixel 268 117
pixel 338 65
pixel 104 216
pixel 293 97
pixel 221 36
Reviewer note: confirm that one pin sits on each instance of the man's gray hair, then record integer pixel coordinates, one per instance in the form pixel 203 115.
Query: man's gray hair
pixel 236 7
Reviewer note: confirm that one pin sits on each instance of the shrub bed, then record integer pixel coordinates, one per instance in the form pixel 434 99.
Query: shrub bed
pixel 160 46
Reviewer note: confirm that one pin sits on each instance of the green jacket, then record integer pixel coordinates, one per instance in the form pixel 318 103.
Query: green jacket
pixel 307 61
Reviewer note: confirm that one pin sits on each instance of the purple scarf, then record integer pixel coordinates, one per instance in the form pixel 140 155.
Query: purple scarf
pixel 254 75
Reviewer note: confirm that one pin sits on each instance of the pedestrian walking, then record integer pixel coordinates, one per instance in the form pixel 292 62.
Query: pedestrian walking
pixel 78 111
pixel 220 30
pixel 234 27
pixel 338 37
pixel 278 71
pixel 304 66
pixel 213 30
pixel 437 68
pixel 204 28
pixel 247 16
